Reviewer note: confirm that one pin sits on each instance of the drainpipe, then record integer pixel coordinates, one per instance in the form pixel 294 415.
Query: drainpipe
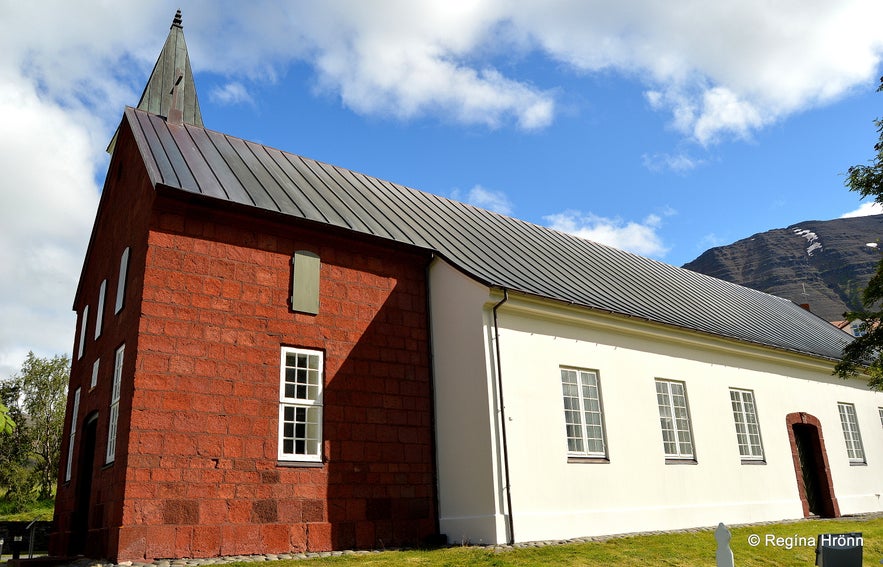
pixel 434 424
pixel 508 486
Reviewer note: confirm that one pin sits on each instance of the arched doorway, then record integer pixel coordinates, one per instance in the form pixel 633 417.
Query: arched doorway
pixel 811 466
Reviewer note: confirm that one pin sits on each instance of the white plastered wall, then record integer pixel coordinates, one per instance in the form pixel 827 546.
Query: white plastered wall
pixel 471 488
pixel 636 490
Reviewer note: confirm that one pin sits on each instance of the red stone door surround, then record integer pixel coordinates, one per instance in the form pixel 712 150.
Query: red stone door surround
pixel 828 503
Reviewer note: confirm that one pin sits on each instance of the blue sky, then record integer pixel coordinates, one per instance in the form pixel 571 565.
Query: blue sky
pixel 664 128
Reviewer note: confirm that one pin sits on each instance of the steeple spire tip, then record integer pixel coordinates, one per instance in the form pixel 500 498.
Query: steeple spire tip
pixel 176 23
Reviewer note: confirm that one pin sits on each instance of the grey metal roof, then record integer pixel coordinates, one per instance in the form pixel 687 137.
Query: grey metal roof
pixel 494 249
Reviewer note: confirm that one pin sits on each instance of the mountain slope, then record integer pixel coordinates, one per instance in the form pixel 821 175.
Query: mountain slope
pixel 823 263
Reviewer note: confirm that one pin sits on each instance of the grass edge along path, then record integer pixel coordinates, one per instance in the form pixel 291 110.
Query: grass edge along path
pixel 785 544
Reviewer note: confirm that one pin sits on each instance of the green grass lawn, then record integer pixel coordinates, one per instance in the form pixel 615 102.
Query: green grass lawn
pixel 40 510
pixel 675 549
pixel 694 549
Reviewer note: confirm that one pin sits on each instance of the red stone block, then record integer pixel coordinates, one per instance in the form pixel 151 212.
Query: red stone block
pixel 214 424
pixel 206 541
pixel 240 539
pixel 319 537
pixel 160 541
pixel 231 289
pixel 290 510
pixel 212 512
pixel 200 491
pixel 365 535
pixel 183 541
pixel 180 444
pixel 275 538
pixel 238 512
pixel 165 475
pixel 297 538
pixel 132 543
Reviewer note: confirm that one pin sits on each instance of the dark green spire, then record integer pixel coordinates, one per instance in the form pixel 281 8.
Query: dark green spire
pixel 170 86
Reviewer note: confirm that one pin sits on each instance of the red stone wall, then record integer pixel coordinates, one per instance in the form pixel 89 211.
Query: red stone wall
pixel 202 475
pixel 121 221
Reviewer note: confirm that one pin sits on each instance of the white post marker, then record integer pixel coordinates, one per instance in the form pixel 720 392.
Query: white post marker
pixel 724 554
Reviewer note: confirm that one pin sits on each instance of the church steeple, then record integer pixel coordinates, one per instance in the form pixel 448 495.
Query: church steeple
pixel 170 90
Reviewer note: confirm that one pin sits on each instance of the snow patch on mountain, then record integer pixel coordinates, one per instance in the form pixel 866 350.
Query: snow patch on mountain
pixel 812 239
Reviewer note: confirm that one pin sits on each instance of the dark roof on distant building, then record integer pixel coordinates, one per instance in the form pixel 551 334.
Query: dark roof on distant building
pixel 496 250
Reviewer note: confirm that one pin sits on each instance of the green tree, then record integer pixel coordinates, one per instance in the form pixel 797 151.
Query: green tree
pixel 16 471
pixel 43 390
pixel 7 424
pixel 865 353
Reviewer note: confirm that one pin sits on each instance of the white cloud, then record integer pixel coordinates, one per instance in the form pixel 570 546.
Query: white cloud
pixel 638 237
pixel 719 69
pixel 495 201
pixel 866 209
pixel 230 93
pixel 710 240
pixel 49 198
pixel 405 59
pixel 678 163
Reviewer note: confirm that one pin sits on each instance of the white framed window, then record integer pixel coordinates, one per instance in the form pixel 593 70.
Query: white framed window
pixel 851 433
pixel 583 416
pixel 747 428
pixel 94 381
pixel 82 346
pixel 301 382
pixel 121 281
pixel 99 313
pixel 110 455
pixel 674 419
pixel 70 444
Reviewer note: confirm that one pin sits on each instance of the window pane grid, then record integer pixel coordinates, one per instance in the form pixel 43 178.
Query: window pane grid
pixel 73 435
pixel 82 341
pixel 117 375
pixel 582 413
pixel 301 430
pixel 854 449
pixel 747 428
pixel 302 377
pixel 110 454
pixel 674 419
pixel 121 281
pixel 94 381
pixel 300 407
pixel 99 313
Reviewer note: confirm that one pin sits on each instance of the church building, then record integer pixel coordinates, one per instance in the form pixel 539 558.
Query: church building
pixel 274 354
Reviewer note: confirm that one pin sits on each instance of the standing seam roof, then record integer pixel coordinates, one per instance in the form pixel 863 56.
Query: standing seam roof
pixel 495 249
